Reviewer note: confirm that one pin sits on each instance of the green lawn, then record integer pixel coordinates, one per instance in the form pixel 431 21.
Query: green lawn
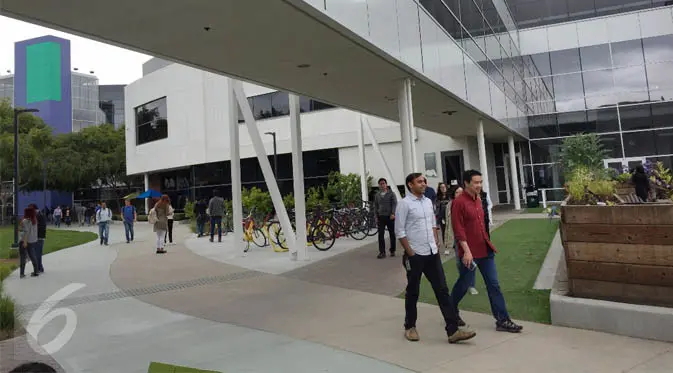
pixel 522 246
pixel 57 239
pixel 166 368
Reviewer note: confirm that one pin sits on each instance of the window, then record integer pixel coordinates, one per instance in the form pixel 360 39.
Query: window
pixel 637 144
pixel 573 123
pixel 658 49
pixel 635 117
pixel 542 126
pixel 565 61
pixel 276 104
pixel 548 176
pixel 595 57
pixel 662 116
pixel 545 151
pixel 598 83
pixel 603 120
pixel 629 79
pixel 627 53
pixel 151 121
pixel 280 104
pixel 660 77
pixel 568 86
pixel 613 144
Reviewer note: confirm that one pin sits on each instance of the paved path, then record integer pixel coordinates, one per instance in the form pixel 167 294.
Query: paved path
pixel 188 309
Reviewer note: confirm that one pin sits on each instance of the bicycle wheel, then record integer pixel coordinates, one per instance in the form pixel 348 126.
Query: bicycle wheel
pixel 259 238
pixel 358 230
pixel 372 226
pixel 323 236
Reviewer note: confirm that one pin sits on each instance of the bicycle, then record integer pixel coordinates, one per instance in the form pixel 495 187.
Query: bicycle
pixel 252 233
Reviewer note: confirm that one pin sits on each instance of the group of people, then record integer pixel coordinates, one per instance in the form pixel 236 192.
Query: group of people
pixel 213 211
pixel 458 218
pixel 67 215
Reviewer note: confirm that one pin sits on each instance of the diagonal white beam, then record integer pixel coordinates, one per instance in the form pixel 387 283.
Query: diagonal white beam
pixel 377 151
pixel 264 164
pixel 235 155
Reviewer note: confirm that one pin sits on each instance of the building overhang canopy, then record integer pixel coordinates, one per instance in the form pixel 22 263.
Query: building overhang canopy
pixel 285 44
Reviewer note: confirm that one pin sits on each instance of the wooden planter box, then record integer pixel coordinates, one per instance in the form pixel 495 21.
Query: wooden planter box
pixel 620 253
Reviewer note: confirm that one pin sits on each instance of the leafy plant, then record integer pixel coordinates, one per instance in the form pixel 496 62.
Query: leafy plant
pixel 8 316
pixel 661 178
pixel 257 199
pixel 624 178
pixel 582 150
pixel 603 189
pixel 189 210
pixel 576 191
pixel 288 201
pixel 5 271
pixel 345 189
pixel 316 197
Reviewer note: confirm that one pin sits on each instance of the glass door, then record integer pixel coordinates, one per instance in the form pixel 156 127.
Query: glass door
pixel 622 164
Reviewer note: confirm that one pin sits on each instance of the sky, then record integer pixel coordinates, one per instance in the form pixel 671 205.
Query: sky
pixel 112 65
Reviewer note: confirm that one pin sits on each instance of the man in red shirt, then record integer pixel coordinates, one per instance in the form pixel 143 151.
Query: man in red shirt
pixel 475 250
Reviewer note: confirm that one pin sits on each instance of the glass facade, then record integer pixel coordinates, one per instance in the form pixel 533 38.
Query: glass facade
pixel 112 104
pixel 151 121
pixel 531 13
pixel 7 88
pixel 492 42
pixel 622 90
pixel 85 110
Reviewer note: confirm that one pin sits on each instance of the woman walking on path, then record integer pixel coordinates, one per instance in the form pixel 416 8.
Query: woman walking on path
pixel 27 241
pixel 169 233
pixel 441 202
pixel 159 217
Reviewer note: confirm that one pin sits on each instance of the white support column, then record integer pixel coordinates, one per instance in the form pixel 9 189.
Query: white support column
pixel 481 145
pixel 377 151
pixel 264 164
pixel 514 171
pixel 364 190
pixel 405 107
pixel 235 156
pixel 298 177
pixel 146 179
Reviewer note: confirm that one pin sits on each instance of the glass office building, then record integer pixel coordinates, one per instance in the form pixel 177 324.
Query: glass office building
pixel 573 66
pixel 111 103
pixel 7 88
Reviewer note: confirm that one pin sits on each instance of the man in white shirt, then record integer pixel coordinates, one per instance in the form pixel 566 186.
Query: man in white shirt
pixel 416 228
pixel 103 217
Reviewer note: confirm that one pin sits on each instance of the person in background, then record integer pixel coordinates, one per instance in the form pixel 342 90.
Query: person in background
pixel 160 212
pixel 200 208
pixel 641 182
pixel 67 216
pixel 103 217
pixel 129 216
pixel 416 227
pixel 455 193
pixel 41 236
pixel 385 203
pixel 440 207
pixel 430 193
pixel 81 213
pixel 88 213
pixel 169 232
pixel 475 250
pixel 216 212
pixel 58 213
pixel 487 206
pixel 27 241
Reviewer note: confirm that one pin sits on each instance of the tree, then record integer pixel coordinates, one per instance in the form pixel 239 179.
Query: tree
pixel 584 150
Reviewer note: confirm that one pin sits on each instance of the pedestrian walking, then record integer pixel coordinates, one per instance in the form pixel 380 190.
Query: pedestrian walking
pixel 169 232
pixel 200 208
pixel 441 202
pixel 103 218
pixel 417 229
pixel 385 203
pixel 58 214
pixel 450 240
pixel 130 216
pixel 159 220
pixel 475 250
pixel 27 242
pixel 41 237
pixel 216 212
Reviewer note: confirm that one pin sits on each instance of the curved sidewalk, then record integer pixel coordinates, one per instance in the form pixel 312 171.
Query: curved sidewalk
pixel 118 333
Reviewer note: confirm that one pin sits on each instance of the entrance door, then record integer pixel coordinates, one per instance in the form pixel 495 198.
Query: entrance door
pixel 508 178
pixel 620 164
pixel 452 167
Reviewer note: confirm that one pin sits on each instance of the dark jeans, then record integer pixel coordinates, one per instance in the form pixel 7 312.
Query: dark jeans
pixel 460 265
pixel 386 222
pixel 169 232
pixel 431 266
pixel 128 229
pixel 200 225
pixel 57 220
pixel 39 248
pixel 28 252
pixel 216 220
pixel 490 275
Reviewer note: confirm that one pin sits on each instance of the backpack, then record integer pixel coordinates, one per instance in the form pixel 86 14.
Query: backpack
pixel 152 218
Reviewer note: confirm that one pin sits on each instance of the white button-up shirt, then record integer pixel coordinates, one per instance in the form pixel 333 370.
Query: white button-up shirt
pixel 415 220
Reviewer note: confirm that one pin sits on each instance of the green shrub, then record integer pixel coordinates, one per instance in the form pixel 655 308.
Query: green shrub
pixel 189 210
pixel 13 254
pixel 116 217
pixel 604 189
pixel 178 216
pixel 8 316
pixel 583 150
pixel 142 217
pixel 624 178
pixel 288 201
pixel 257 199
pixel 5 271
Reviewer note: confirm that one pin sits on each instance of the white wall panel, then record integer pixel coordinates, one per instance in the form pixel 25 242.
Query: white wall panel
pixel 430 46
pixel 477 87
pixel 451 66
pixel 624 27
pixel 656 22
pixel 409 33
pixel 562 36
pixel 383 26
pixel 534 41
pixel 350 13
pixel 592 32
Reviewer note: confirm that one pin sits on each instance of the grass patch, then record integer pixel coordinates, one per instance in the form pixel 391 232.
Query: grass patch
pixel 522 246
pixel 57 239
pixel 166 368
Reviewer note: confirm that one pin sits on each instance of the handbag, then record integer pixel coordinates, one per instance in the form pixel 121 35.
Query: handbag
pixel 152 218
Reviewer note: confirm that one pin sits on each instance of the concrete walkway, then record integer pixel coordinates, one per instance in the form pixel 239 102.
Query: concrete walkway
pixel 188 309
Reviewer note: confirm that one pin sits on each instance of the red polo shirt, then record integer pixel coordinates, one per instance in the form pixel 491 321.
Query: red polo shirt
pixel 467 220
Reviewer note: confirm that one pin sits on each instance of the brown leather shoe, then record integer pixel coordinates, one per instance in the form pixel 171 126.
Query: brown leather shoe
pixel 461 335
pixel 411 335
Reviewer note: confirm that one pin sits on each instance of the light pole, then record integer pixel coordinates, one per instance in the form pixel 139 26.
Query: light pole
pixel 275 153
pixel 17 112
